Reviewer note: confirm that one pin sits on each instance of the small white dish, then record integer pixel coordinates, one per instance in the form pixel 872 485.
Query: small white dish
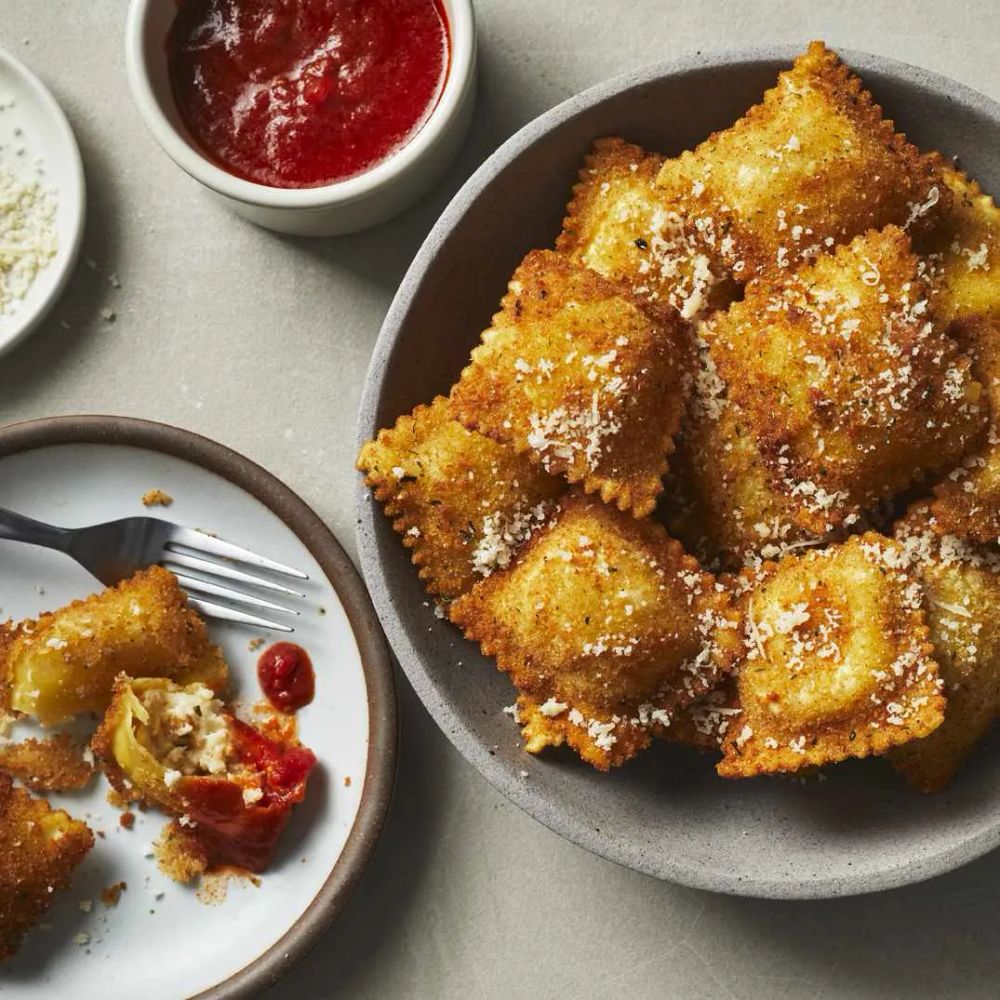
pixel 75 471
pixel 32 121
pixel 333 209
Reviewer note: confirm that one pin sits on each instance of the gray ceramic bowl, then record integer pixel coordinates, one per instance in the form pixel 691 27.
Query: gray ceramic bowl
pixel 666 813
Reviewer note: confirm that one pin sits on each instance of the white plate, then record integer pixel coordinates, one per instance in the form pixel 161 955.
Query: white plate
pixel 159 925
pixel 36 124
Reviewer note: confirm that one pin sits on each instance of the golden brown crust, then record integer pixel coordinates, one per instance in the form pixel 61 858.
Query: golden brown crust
pixel 813 165
pixel 967 501
pixel 64 663
pixel 962 588
pixel 39 850
pixel 463 503
pixel 575 374
pixel 603 623
pixel 57 764
pixel 620 224
pixel 850 390
pixel 837 660
pixel 962 255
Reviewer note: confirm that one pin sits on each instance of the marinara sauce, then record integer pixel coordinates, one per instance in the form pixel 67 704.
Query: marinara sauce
pixel 300 93
pixel 286 676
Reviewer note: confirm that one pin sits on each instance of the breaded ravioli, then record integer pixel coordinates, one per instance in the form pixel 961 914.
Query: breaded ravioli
pixel 621 224
pixel 967 500
pixel 581 378
pixel 837 660
pixel 851 390
pixel 962 587
pixel 721 500
pixel 462 502
pixel 56 764
pixel 64 663
pixel 605 626
pixel 963 253
pixel 813 165
pixel 39 850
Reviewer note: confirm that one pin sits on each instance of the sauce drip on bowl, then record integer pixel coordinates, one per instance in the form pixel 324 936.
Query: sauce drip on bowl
pixel 286 676
pixel 301 93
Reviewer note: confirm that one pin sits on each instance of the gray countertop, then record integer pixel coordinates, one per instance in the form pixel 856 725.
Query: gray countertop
pixel 262 342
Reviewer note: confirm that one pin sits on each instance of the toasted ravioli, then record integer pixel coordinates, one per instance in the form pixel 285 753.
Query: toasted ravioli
pixel 605 625
pixel 575 374
pixel 813 165
pixel 706 721
pixel 851 391
pixel 967 500
pixel 56 764
pixel 721 499
pixel 39 850
pixel 622 225
pixel 64 663
pixel 962 587
pixel 463 502
pixel 837 660
pixel 963 254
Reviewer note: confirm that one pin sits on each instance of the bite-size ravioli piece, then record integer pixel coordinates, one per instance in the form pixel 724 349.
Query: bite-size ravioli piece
pixel 962 587
pixel 462 502
pixel 40 848
pixel 64 663
pixel 622 225
pixel 605 626
pixel 721 499
pixel 581 378
pixel 181 749
pixel 851 390
pixel 963 253
pixel 813 165
pixel 837 660
pixel 967 500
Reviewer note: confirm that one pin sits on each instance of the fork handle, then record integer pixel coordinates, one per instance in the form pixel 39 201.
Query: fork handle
pixel 18 528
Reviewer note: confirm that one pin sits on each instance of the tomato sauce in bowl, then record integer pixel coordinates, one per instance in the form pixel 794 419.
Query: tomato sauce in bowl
pixel 304 93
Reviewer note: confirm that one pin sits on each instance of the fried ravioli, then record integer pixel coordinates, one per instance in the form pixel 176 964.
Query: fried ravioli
pixel 837 663
pixel 575 374
pixel 620 224
pixel 967 500
pixel 962 586
pixel 39 850
pixel 64 663
pixel 850 389
pixel 721 499
pixel 963 253
pixel 813 165
pixel 605 626
pixel 56 764
pixel 462 502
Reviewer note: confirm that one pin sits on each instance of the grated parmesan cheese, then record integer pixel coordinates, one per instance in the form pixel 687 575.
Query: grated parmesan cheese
pixel 28 239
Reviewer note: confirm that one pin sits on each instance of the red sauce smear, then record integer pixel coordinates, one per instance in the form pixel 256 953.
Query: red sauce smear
pixel 300 93
pixel 286 676
pixel 233 831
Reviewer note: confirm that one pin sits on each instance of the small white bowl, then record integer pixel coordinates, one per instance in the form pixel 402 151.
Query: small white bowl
pixel 45 135
pixel 343 207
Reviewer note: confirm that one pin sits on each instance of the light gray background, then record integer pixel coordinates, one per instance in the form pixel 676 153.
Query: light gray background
pixel 262 342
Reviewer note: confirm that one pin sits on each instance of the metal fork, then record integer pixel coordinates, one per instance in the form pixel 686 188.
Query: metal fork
pixel 116 550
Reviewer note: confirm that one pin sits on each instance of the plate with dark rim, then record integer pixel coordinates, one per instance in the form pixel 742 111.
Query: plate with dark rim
pixel 80 470
pixel 666 813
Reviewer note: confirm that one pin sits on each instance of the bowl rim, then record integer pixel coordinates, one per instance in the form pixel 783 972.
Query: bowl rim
pixel 524 794
pixel 75 196
pixel 461 76
pixel 380 772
